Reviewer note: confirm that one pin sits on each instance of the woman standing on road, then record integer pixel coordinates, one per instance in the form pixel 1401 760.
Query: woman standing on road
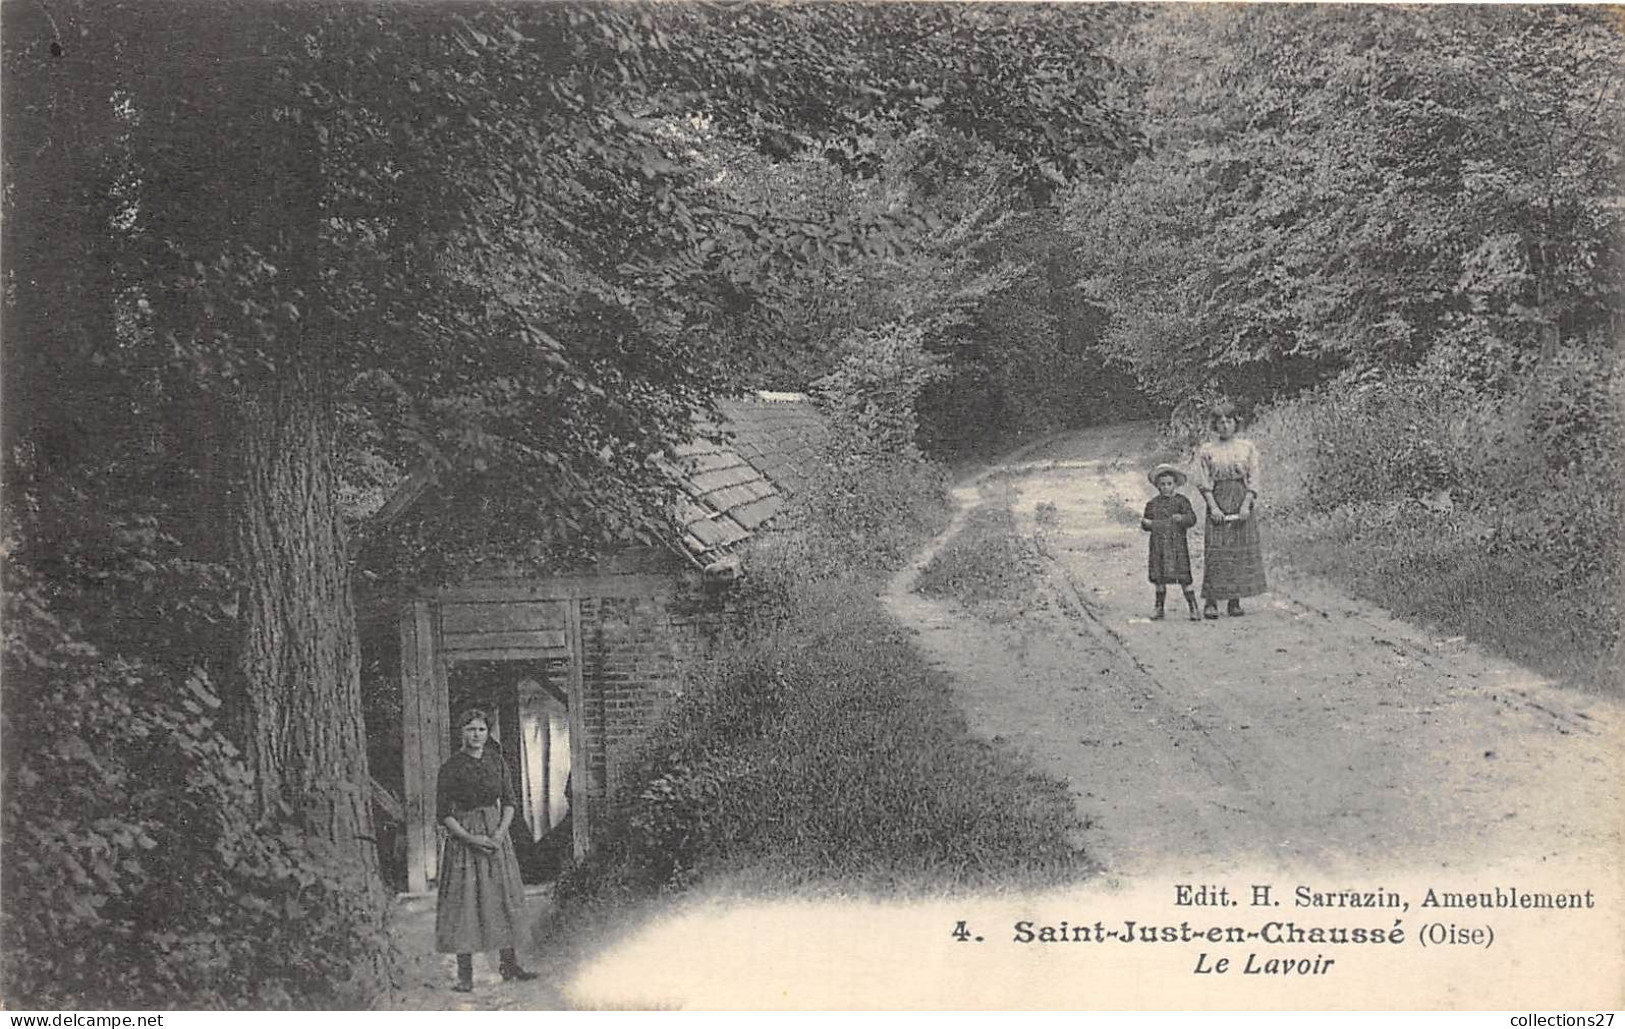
pixel 1233 556
pixel 481 904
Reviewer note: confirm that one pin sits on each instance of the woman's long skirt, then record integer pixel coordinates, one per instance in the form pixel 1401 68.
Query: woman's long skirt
pixel 1233 556
pixel 482 901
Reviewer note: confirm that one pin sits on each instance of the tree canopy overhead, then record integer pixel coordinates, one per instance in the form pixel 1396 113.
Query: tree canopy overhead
pixel 1334 188
pixel 256 254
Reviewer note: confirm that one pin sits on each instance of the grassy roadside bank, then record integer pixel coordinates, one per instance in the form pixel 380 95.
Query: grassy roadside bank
pixel 819 753
pixel 1436 575
pixel 1476 522
pixel 987 566
pixel 826 755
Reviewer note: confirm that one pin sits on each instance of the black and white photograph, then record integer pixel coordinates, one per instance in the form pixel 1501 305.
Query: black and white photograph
pixel 767 506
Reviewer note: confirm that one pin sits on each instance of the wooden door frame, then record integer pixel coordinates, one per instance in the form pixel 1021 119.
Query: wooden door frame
pixel 576 711
pixel 426 731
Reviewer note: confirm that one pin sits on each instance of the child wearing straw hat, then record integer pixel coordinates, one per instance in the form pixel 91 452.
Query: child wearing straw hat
pixel 1167 517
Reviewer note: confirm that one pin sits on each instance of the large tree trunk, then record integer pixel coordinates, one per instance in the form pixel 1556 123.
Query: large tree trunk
pixel 298 706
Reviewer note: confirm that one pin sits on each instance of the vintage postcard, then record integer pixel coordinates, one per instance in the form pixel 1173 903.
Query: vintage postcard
pixel 803 506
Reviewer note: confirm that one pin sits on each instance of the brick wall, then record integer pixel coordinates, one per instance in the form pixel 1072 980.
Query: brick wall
pixel 634 649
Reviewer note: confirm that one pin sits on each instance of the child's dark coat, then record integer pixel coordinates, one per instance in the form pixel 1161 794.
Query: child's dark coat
pixel 1170 560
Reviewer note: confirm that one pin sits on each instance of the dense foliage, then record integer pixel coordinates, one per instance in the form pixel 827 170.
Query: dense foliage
pixel 1356 188
pixel 136 875
pixel 264 260
pixel 1402 227
pixel 978 284
pixel 1497 522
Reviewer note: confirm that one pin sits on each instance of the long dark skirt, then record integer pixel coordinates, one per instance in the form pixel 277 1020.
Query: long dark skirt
pixel 1233 556
pixel 482 901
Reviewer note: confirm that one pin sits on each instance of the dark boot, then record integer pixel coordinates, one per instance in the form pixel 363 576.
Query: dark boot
pixel 1233 609
pixel 509 965
pixel 1210 609
pixel 1190 602
pixel 1162 599
pixel 465 974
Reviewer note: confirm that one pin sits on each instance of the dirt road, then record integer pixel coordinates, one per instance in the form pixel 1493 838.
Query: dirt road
pixel 1312 743
pixel 1313 730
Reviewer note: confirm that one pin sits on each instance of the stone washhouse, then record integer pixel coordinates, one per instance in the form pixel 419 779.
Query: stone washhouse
pixel 578 666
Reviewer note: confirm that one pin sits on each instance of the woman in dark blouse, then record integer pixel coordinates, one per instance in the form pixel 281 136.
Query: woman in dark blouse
pixel 481 901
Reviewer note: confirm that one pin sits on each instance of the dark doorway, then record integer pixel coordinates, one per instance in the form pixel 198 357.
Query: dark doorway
pixel 529 705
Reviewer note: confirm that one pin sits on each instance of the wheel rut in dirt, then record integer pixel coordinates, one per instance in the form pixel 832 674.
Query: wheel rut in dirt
pixel 1316 729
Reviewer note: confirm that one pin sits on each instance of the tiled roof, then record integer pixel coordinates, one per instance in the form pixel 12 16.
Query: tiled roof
pixel 779 433
pixel 734 487
pixel 734 476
